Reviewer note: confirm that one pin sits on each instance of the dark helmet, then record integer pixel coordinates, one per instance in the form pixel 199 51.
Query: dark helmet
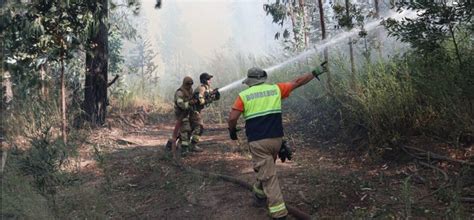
pixel 204 77
pixel 187 80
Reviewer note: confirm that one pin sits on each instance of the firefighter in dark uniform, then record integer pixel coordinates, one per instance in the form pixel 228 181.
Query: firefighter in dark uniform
pixel 204 95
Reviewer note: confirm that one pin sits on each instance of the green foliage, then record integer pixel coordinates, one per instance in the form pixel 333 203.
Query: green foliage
pixel 81 202
pixel 141 61
pixel 277 10
pixel 116 59
pixel 393 100
pixel 48 29
pixel 437 22
pixel 43 162
pixel 349 18
pixel 18 198
pixel 281 10
pixel 46 154
pixel 31 119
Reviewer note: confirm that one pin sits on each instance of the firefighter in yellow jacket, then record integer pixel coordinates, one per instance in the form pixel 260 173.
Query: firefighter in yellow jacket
pixel 260 105
pixel 183 102
pixel 204 95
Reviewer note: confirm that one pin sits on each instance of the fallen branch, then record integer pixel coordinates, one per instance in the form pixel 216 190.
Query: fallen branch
pixel 446 178
pixel 113 81
pixel 467 199
pixel 292 210
pixel 124 120
pixel 409 153
pixel 125 142
pixel 431 155
pixel 434 192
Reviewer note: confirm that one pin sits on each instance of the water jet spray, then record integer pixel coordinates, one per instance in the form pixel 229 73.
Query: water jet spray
pixel 323 44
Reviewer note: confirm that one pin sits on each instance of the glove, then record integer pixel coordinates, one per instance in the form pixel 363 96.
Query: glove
pixel 320 70
pixel 285 152
pixel 217 94
pixel 233 133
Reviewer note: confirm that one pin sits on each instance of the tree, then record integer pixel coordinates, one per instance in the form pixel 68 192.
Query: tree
pixel 51 31
pixel 95 89
pixel 96 83
pixel 296 12
pixel 348 17
pixel 323 37
pixel 437 23
pixel 141 60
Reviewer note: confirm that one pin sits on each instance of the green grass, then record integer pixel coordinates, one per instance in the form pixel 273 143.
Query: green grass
pixel 19 198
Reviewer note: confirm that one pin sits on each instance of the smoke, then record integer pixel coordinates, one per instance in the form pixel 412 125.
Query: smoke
pixel 371 26
pixel 188 34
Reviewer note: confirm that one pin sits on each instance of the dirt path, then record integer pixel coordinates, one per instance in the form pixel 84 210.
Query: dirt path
pixel 136 179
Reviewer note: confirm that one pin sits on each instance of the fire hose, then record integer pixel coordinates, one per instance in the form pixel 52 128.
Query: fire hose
pixel 291 209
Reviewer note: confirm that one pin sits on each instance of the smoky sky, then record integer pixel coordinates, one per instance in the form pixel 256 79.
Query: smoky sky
pixel 193 30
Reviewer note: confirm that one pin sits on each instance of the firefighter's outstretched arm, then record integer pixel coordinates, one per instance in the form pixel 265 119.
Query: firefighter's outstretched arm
pixel 305 78
pixel 301 80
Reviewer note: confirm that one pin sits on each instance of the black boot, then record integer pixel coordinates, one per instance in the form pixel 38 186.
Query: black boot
pixel 169 144
pixel 281 218
pixel 184 150
pixel 260 202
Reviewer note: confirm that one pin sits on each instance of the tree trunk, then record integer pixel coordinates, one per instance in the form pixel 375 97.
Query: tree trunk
pixel 4 157
pixel 378 33
pixel 95 91
pixel 44 90
pixel 63 102
pixel 351 50
pixel 458 54
pixel 6 98
pixel 293 25
pixel 323 36
pixel 305 23
pixel 377 9
pixel 7 90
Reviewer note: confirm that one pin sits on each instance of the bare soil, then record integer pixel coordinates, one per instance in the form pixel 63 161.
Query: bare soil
pixel 132 176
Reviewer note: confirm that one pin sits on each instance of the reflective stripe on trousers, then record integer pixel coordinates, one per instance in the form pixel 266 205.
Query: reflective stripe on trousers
pixel 263 158
pixel 277 208
pixel 258 192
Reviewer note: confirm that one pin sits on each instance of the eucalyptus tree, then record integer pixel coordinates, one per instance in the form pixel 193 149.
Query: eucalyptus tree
pixel 345 19
pixel 442 36
pixel 437 23
pixel 296 12
pixel 350 16
pixel 97 57
pixel 45 31
pixel 95 88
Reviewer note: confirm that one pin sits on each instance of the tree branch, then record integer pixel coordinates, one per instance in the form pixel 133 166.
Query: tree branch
pixel 446 178
pixel 428 154
pixel 113 81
